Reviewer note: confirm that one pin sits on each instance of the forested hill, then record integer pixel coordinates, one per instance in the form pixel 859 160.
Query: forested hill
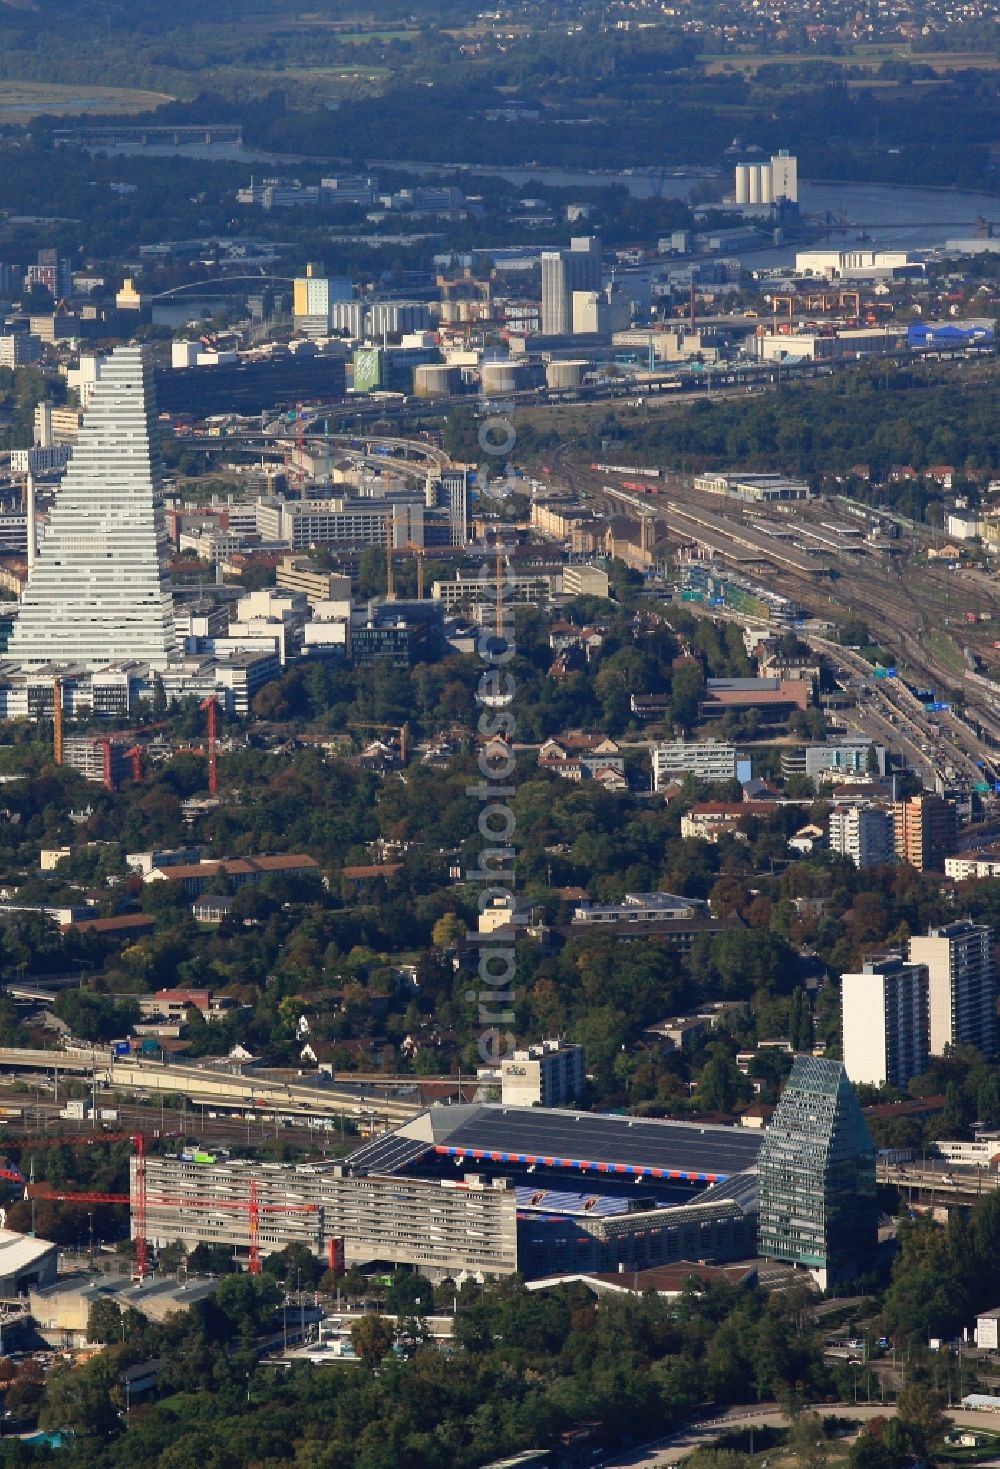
pixel 883 415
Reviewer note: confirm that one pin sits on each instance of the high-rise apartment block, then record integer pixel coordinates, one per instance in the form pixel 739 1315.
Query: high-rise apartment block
pixel 816 1177
pixel 924 831
pixel 19 348
pixel 563 273
pixel 865 834
pixel 450 491
pixel 961 985
pixel 884 1016
pixel 547 1075
pixel 98 592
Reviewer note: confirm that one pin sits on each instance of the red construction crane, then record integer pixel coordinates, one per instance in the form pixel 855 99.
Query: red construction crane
pixel 109 743
pixel 212 709
pixel 109 774
pixel 141 1199
pixel 60 1196
pixel 42 1191
pixel 139 1209
pixel 73 1140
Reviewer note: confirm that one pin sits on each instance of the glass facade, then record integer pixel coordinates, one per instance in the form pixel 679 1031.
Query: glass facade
pixel 816 1174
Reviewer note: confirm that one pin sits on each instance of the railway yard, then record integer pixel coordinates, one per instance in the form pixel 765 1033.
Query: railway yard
pixel 835 561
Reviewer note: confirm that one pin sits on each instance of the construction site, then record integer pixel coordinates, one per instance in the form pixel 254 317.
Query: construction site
pixel 111 759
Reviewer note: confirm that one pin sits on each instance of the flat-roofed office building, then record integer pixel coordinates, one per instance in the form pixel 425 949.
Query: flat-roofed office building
pixel 439 1227
pixel 705 760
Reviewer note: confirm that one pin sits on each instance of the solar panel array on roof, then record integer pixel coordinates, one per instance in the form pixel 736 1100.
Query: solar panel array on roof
pixel 741 1188
pixel 387 1154
pixel 591 1142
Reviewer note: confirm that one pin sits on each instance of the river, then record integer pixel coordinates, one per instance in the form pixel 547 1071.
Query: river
pixel 895 217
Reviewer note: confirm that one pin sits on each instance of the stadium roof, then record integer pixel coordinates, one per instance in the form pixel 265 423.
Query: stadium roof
pixel 584 1141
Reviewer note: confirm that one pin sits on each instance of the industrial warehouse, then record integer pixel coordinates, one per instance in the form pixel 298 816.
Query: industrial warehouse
pixel 487 1190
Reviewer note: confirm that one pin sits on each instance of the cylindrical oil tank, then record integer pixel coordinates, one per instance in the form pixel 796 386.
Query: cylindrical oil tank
pixel 766 184
pixel 503 377
pixel 448 311
pixel 754 183
pixel 435 380
pixel 743 183
pixel 567 374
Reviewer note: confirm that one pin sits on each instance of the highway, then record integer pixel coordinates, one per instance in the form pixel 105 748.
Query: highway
pixel 202 1083
pixel 414 457
pixel 939 748
pixel 676 1447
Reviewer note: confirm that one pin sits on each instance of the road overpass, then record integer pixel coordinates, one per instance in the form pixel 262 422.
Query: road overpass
pixel 943 1184
pixel 22 1058
pixel 208 1084
pixel 205 1084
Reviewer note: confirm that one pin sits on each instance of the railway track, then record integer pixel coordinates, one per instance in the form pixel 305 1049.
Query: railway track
pixel 895 616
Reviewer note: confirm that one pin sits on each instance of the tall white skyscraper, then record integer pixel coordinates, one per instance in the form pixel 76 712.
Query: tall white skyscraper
pixel 959 960
pixel 884 1018
pixel 98 593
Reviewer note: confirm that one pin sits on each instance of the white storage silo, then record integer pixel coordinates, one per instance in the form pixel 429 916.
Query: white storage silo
pixel 566 374
pixel 435 380
pixel 502 377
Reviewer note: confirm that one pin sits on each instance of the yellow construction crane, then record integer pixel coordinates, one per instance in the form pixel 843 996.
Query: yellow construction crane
pixel 418 551
pixel 390 536
pixel 57 720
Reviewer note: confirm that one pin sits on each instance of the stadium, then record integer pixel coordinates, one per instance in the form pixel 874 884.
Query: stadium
pixel 592 1192
pixel 484 1190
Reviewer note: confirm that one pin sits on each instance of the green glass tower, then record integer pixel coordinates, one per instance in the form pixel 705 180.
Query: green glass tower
pixel 816 1176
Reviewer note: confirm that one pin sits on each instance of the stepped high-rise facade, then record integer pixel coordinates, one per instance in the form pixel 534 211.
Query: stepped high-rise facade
pixel 98 592
pixel 816 1177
